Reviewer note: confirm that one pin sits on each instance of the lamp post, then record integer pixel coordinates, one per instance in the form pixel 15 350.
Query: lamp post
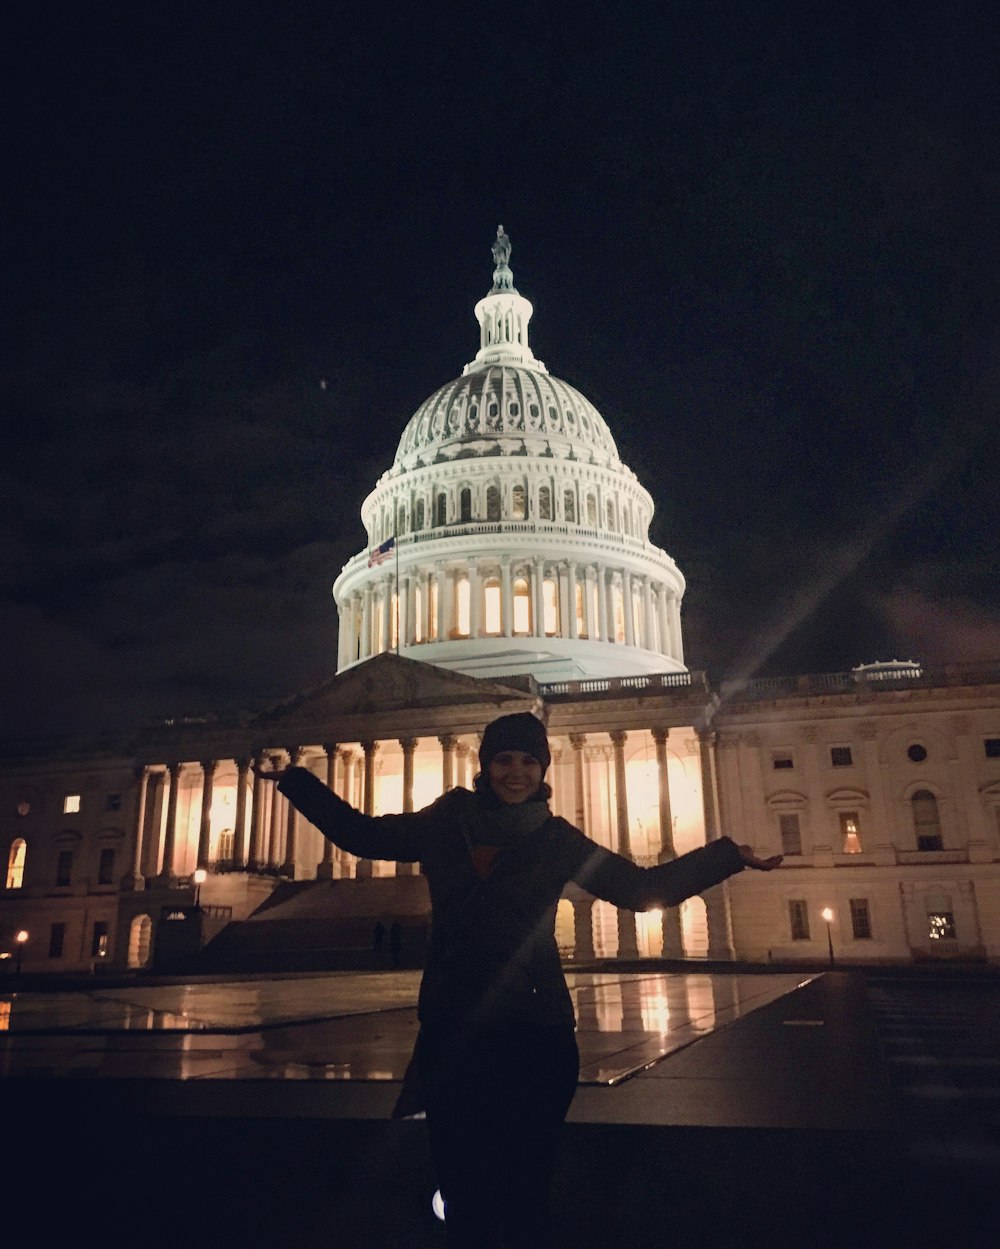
pixel 199 879
pixel 827 914
pixel 21 938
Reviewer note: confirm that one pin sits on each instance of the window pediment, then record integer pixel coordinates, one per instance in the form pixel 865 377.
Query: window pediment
pixel 847 798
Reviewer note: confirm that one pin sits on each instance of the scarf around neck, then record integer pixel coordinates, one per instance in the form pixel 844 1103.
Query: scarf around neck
pixel 503 825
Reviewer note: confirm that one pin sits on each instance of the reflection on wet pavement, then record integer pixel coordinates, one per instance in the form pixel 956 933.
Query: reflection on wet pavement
pixel 342 1025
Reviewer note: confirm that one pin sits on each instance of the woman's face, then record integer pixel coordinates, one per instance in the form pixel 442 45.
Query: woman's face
pixel 514 776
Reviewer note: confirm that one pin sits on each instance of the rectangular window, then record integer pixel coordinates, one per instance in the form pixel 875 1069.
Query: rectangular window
pixel 64 867
pixel 99 941
pixel 113 802
pixel 840 756
pixel 106 867
pixel 861 924
pixel 929 841
pixel 57 939
pixel 941 926
pixel 791 834
pixel 71 804
pixel 992 747
pixel 798 918
pixel 782 759
pixel 850 832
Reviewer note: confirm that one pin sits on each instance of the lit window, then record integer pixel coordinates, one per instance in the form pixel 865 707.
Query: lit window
pixel 618 603
pixel 840 756
pixel 798 919
pixel 941 926
pixel 849 832
pixel 71 804
pixel 861 924
pixel 522 606
pixel 432 593
pixel 99 941
pixel 15 863
pixel 463 606
pixel 550 610
pixel 581 623
pixel 418 608
pixel 791 833
pixel 491 599
pixel 394 620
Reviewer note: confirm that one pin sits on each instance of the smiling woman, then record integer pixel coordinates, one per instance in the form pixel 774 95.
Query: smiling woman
pixel 495 1065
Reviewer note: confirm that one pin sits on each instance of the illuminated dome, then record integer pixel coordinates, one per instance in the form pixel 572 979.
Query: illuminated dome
pixel 516 539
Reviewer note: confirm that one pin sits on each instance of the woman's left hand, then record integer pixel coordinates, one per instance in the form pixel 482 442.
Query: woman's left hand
pixel 760 865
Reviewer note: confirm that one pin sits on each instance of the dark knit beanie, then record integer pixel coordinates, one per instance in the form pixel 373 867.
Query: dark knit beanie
pixel 521 731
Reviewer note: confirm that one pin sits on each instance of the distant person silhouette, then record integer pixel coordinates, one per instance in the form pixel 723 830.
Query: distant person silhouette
pixel 495 1064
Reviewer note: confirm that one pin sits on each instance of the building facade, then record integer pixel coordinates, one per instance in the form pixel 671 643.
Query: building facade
pixel 508 567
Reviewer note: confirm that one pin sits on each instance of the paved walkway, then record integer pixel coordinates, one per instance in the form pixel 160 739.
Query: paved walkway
pixel 715 1109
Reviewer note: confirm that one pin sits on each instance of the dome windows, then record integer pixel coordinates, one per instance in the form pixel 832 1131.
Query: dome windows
pixel 569 506
pixel 519 510
pixel 544 503
pixel 492 502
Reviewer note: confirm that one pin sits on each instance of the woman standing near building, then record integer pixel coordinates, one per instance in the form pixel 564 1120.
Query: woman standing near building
pixel 496 1065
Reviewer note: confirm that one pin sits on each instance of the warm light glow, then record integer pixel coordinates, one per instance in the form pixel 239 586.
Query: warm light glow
pixel 22 936
pixel 463 606
pixel 15 864
pixel 551 607
pixel 827 914
pixel 522 607
pixel 491 595
pixel 200 876
pixel 71 804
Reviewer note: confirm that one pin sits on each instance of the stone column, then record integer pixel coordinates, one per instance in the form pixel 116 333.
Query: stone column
pixel 274 825
pixel 240 819
pixel 602 604
pixel 255 855
pixel 628 944
pixel 539 616
pixel 588 603
pixel 365 867
pixel 440 618
pixel 291 820
pixel 387 614
pixel 408 746
pixel 448 744
pixel 208 768
pixel 448 614
pixel 134 879
pixel 574 631
pixel 649 629
pixel 627 603
pixel 462 756
pixel 673 939
pixel 347 862
pixel 720 922
pixel 663 616
pixel 366 623
pixel 170 833
pixel 583 928
pixel 578 741
pixel 325 867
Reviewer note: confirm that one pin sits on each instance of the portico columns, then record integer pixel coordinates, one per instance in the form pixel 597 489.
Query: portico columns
pixel 291 821
pixel 365 866
pixel 344 857
pixel 447 762
pixel 325 868
pixel 628 945
pixel 240 823
pixel 208 768
pixel 539 617
pixel 254 854
pixel 273 825
pixel 506 603
pixel 408 746
pixel 602 604
pixel 629 608
pixel 720 923
pixel 583 928
pixel 578 741
pixel 474 593
pixel 673 939
pixel 666 643
pixel 170 833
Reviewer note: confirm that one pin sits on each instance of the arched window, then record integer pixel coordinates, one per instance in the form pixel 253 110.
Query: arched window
pixel 522 606
pixel 419 522
pixel 491 606
pixel 465 504
pixel 441 509
pixel 492 502
pixel 418 611
pixel 519 511
pixel 581 619
pixel 463 607
pixel 401 519
pixel 550 607
pixel 432 594
pixel 610 512
pixel 591 511
pixel 140 942
pixel 544 503
pixel 15 863
pixel 926 820
pixel 569 506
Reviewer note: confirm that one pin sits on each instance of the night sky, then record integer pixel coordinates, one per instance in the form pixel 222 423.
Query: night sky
pixel 243 242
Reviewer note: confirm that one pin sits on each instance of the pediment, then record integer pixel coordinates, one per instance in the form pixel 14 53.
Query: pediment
pixel 393 683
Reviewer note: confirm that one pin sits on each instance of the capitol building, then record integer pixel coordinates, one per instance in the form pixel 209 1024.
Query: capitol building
pixel 505 566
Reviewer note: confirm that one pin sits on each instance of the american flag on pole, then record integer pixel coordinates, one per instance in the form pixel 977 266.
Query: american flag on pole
pixel 381 552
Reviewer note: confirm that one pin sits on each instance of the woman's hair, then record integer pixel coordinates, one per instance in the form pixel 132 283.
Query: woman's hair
pixel 488 797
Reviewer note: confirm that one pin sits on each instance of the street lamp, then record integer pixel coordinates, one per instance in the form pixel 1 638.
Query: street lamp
pixel 199 879
pixel 21 938
pixel 827 914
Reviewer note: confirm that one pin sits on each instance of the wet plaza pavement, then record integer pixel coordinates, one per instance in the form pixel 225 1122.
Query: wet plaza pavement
pixel 716 1109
